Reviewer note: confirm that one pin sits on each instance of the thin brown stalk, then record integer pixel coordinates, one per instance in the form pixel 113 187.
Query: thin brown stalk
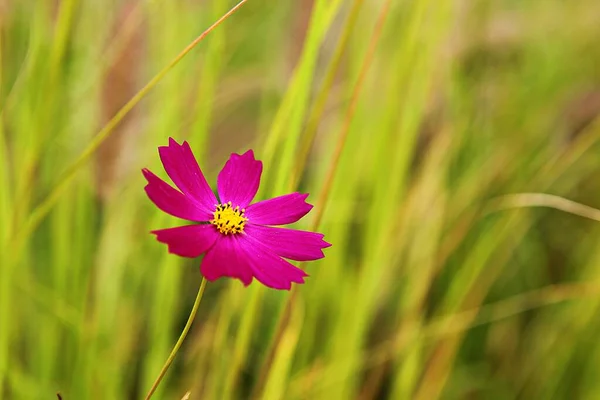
pixel 319 108
pixel 329 179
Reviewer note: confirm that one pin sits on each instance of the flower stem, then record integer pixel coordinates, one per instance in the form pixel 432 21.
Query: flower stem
pixel 184 333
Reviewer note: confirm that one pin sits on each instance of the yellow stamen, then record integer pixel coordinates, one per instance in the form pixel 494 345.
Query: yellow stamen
pixel 229 220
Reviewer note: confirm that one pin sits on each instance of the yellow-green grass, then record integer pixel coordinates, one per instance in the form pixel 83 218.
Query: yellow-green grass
pixel 408 122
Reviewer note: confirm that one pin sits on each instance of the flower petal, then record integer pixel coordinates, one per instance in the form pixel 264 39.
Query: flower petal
pixel 226 258
pixel 279 210
pixel 188 241
pixel 239 179
pixel 171 200
pixel 289 243
pixel 183 169
pixel 267 267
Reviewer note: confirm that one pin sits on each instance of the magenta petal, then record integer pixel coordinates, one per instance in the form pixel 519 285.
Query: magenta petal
pixel 225 258
pixel 183 169
pixel 188 241
pixel 280 210
pixel 268 268
pixel 171 200
pixel 289 243
pixel 239 179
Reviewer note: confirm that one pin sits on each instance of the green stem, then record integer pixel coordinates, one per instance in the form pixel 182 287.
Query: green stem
pixel 46 205
pixel 184 333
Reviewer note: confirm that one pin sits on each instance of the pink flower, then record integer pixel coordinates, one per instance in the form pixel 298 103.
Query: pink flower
pixel 235 235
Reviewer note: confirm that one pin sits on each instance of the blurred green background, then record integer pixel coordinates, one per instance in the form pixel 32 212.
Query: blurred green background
pixel 463 266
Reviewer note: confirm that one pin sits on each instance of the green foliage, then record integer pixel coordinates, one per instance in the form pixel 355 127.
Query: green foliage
pixel 436 286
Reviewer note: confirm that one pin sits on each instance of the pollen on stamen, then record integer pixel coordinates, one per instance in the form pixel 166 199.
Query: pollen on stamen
pixel 229 220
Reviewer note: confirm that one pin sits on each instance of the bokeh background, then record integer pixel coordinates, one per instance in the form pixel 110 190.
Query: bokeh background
pixel 451 149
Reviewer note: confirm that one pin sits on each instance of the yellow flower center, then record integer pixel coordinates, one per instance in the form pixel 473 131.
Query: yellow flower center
pixel 229 220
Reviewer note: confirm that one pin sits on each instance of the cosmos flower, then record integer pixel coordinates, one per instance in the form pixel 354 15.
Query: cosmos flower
pixel 239 238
